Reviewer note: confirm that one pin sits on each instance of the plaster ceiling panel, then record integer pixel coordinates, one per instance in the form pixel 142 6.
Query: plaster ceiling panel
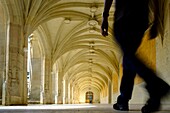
pixel 90 32
pixel 53 27
pixel 85 10
pixel 65 34
pixel 86 7
pixel 84 1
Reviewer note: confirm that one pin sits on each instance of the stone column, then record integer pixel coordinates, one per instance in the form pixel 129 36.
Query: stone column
pixel 15 80
pixel 24 79
pixel 69 93
pixel 56 88
pixel 76 95
pixel 2 59
pixel 72 95
pixel 2 67
pixel 53 75
pixel 109 92
pixel 65 95
pixel 46 82
pixel 60 87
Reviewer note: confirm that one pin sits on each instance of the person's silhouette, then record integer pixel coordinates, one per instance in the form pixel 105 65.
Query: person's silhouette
pixel 131 20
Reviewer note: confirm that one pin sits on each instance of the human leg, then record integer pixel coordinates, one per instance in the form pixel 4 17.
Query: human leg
pixel 129 28
pixel 126 87
pixel 156 87
pixel 129 43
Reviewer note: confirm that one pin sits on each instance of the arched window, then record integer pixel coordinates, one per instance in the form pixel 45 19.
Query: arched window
pixel 89 97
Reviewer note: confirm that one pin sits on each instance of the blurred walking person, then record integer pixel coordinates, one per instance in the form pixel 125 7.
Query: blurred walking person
pixel 131 20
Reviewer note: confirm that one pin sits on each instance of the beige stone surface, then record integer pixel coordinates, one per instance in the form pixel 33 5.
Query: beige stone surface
pixel 68 54
pixel 83 108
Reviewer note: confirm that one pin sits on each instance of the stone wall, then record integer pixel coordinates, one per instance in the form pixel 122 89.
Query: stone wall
pixel 163 58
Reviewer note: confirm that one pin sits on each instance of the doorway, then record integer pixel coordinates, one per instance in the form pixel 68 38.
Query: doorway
pixel 89 97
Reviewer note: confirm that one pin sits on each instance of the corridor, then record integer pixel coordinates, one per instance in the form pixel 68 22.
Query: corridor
pixel 52 55
pixel 74 108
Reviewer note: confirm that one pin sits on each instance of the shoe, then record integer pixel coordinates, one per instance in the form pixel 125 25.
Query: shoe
pixel 121 107
pixel 122 104
pixel 153 104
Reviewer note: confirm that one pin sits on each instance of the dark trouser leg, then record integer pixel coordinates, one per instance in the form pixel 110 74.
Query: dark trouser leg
pixel 154 83
pixel 129 45
pixel 157 88
pixel 126 87
pixel 129 42
pixel 127 81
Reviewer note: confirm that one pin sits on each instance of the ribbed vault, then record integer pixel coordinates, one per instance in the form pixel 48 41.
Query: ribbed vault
pixel 71 33
pixel 68 56
pixel 68 33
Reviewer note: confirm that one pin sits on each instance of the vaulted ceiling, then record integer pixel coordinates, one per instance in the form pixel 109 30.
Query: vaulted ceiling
pixel 69 32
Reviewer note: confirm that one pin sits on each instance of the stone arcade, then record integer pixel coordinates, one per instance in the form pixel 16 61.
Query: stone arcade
pixel 52 52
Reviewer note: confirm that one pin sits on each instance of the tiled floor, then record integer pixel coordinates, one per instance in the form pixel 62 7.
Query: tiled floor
pixel 74 108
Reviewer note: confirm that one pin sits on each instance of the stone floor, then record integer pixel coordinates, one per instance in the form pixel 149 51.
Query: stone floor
pixel 73 108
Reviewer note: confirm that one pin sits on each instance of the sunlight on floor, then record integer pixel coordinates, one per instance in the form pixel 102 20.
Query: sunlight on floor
pixel 32 107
